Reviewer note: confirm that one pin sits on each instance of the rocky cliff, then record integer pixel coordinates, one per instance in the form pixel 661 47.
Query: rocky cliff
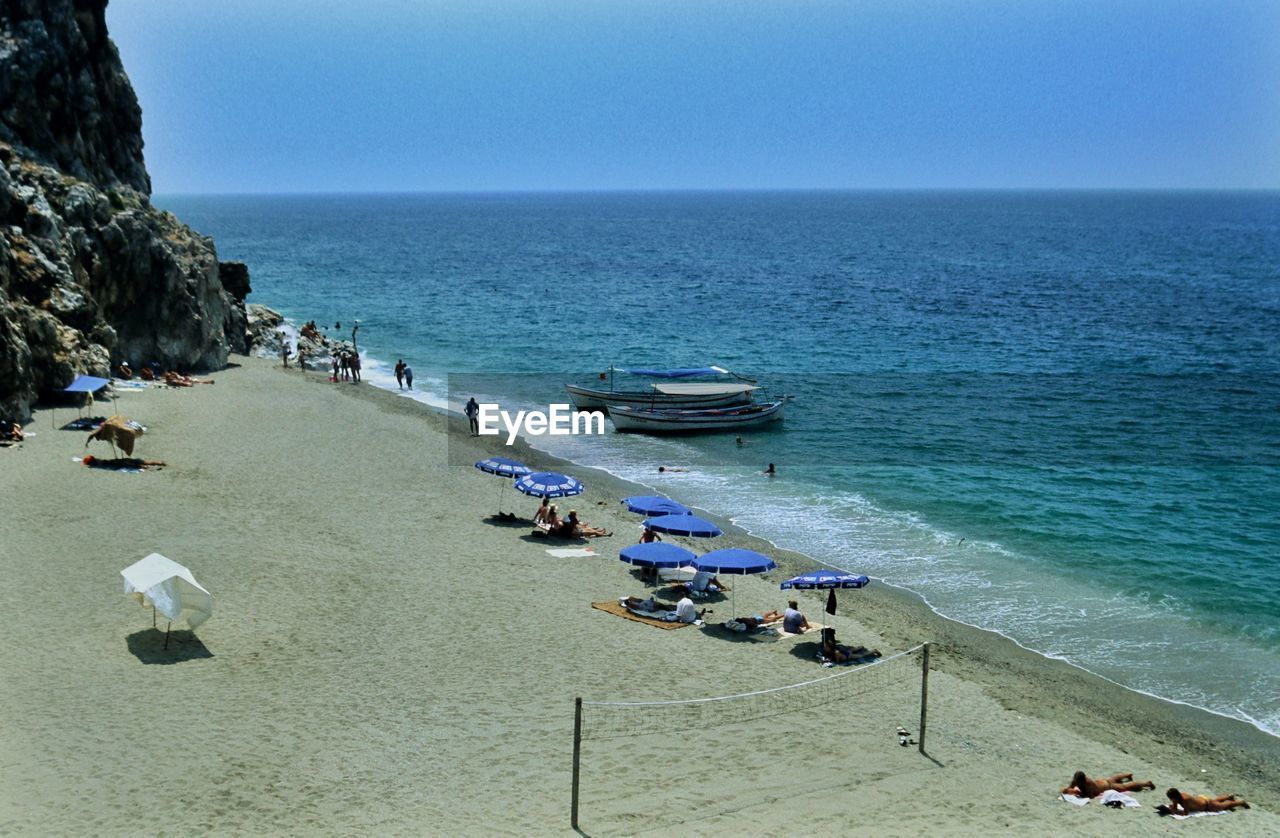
pixel 90 273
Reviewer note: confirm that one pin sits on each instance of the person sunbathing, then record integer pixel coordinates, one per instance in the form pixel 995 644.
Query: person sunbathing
pixel 650 605
pixel 571 527
pixel 544 511
pixel 1185 804
pixel 126 372
pixel 1082 785
pixel 123 463
pixel 10 431
pixel 757 620
pixel 177 379
pixel 839 653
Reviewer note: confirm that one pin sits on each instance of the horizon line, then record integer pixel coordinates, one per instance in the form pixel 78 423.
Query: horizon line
pixel 726 191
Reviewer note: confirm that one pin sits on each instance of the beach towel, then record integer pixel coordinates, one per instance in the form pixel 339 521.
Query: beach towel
pixel 618 610
pixel 84 423
pixel 1110 797
pixel 572 552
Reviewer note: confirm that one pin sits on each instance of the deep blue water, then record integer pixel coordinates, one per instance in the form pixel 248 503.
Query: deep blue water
pixel 1056 415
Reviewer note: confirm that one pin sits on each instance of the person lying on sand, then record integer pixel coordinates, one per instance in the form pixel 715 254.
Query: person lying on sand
pixel 1082 785
pixel 758 620
pixel 1184 804
pixel 839 653
pixel 635 603
pixel 571 527
pixel 123 463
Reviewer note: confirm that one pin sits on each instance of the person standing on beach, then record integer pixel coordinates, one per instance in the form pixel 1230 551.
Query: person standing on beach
pixel 355 368
pixel 284 350
pixel 335 363
pixel 408 376
pixel 473 415
pixel 400 373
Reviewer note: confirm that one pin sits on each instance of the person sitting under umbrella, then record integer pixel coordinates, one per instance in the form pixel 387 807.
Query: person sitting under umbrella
pixel 703 582
pixel 793 622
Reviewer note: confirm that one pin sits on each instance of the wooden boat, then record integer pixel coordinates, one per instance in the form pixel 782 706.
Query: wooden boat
pixel 668 395
pixel 687 421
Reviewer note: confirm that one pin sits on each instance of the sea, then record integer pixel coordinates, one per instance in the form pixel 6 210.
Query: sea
pixel 1054 415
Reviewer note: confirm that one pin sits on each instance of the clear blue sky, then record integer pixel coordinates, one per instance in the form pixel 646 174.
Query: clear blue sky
pixel 380 95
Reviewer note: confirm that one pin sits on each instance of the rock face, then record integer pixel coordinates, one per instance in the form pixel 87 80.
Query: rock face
pixel 90 273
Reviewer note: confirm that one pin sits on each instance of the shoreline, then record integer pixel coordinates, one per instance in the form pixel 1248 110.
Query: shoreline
pixel 384 654
pixel 987 650
pixel 621 487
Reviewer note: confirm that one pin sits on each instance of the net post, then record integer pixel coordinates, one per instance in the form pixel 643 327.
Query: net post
pixel 924 695
pixel 577 751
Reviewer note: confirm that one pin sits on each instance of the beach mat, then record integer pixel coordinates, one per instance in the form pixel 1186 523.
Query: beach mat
pixel 571 552
pixel 613 607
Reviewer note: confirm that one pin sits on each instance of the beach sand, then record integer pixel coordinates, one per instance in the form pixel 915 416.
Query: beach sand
pixel 385 659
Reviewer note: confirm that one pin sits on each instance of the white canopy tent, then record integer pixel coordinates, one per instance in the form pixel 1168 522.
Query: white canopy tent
pixel 167 587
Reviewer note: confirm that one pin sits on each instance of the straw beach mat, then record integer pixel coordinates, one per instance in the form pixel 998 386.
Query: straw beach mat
pixel 613 607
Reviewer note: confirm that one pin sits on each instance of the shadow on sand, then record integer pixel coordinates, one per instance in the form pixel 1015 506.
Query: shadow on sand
pixel 148 646
pixel 508 523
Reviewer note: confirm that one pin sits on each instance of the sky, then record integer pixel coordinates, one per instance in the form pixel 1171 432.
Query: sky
pixel 269 96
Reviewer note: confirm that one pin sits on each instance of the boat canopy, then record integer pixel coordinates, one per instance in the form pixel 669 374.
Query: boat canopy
pixel 703 388
pixel 685 372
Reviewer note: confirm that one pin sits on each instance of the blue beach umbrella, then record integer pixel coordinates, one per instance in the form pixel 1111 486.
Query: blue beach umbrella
pixel 826 579
pixel 654 506
pixel 656 554
pixel 734 561
pixel 549 484
pixel 690 525
pixel 503 467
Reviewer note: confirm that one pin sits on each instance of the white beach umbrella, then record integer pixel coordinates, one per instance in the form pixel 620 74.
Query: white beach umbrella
pixel 166 586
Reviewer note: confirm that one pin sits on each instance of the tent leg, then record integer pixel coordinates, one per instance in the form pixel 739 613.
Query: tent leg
pixel 166 635
pixel 153 616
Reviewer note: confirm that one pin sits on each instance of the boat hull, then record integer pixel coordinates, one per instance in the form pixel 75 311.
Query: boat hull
pixel 586 398
pixel 694 421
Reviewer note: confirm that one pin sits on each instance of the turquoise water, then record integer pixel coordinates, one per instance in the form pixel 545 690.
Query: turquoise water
pixel 1054 415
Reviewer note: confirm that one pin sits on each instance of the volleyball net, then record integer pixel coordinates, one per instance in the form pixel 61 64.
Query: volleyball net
pixel 604 720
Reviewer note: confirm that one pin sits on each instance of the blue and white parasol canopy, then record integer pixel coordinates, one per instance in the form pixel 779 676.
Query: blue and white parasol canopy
pixel 504 467
pixel 549 484
pixel 654 505
pixel 824 579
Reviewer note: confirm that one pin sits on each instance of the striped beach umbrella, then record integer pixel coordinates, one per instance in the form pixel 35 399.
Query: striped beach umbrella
pixel 503 467
pixel 828 580
pixel 549 484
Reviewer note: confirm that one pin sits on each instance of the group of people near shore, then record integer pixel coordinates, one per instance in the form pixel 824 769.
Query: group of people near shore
pixel 1180 803
pixel 346 366
pixel 548 520
pixel 153 372
pixel 404 374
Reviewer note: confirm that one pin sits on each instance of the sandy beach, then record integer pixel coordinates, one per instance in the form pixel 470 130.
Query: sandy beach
pixel 386 659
